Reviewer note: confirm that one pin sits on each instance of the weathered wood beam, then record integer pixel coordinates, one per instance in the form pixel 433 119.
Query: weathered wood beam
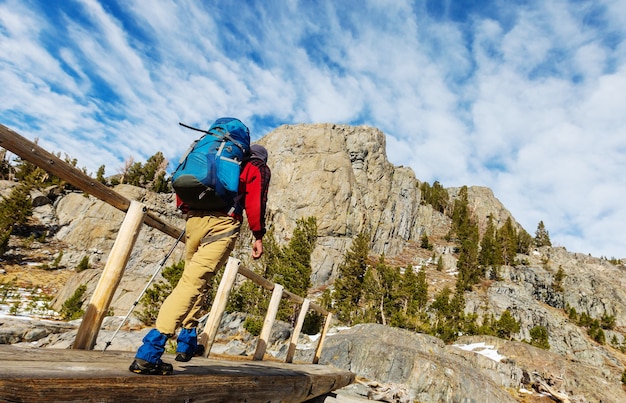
pixel 31 152
pixel 268 323
pixel 293 343
pixel 110 278
pixel 59 375
pixel 320 344
pixel 207 337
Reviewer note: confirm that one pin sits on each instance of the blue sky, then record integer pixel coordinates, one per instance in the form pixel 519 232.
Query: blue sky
pixel 527 98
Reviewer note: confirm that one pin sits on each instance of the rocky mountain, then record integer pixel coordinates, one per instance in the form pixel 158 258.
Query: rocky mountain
pixel 340 175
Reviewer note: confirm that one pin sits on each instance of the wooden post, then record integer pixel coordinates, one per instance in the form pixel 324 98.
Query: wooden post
pixel 296 331
pixel 318 350
pixel 207 337
pixel 110 278
pixel 270 316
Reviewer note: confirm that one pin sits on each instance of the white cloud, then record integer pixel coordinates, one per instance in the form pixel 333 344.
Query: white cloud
pixel 525 99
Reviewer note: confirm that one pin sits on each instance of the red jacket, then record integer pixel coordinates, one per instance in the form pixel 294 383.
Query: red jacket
pixel 253 186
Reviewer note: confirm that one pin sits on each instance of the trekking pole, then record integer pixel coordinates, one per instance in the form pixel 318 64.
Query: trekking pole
pixel 108 343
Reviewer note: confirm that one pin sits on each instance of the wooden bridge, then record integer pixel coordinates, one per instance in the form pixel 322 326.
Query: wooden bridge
pixel 81 374
pixel 56 375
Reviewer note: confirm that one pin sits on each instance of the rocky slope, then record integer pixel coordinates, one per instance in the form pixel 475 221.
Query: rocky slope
pixel 340 174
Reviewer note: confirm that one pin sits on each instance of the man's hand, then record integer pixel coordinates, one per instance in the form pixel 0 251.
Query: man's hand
pixel 257 248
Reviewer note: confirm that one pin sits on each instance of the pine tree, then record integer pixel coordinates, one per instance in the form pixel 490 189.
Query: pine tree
pixel 542 237
pixel 490 255
pixel 524 242
pixel 293 268
pixel 507 325
pixel 470 271
pixel 16 208
pixel 507 239
pixel 371 304
pixel 100 175
pixel 420 296
pixel 436 196
pixel 539 337
pixel 351 274
pixel 440 264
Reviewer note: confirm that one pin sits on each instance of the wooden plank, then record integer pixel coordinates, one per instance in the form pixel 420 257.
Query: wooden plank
pixel 56 375
pixel 268 323
pixel 296 331
pixel 110 278
pixel 49 162
pixel 207 337
pixel 320 345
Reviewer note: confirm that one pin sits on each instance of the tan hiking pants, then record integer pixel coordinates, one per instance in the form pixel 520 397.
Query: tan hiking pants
pixel 202 260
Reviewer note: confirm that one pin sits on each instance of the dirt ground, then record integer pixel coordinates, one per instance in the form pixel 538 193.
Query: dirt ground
pixel 29 264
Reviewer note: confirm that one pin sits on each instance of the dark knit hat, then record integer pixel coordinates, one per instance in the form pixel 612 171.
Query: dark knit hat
pixel 259 152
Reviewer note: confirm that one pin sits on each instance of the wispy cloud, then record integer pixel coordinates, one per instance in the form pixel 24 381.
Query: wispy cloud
pixel 526 98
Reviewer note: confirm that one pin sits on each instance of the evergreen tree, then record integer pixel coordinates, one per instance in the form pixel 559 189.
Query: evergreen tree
pixel 134 175
pixel 507 239
pixel 557 284
pixel 449 315
pixel 436 196
pixel 542 237
pixel 153 165
pixel 154 296
pixel 461 214
pixel 524 242
pixel 440 264
pixel 490 250
pixel 349 282
pixel 507 325
pixel 100 175
pixel 16 208
pixel 293 268
pixel 155 172
pixel 470 271
pixel 415 291
pixel 539 337
pixel 420 297
pixel 373 295
pixel 466 231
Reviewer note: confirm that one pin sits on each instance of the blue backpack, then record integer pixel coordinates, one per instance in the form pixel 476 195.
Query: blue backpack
pixel 207 176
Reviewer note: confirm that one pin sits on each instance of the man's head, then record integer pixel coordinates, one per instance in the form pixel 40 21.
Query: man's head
pixel 259 152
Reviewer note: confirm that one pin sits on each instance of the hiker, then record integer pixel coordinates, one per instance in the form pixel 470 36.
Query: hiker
pixel 210 238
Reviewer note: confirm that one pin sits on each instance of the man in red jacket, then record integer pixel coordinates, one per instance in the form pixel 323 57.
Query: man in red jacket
pixel 210 238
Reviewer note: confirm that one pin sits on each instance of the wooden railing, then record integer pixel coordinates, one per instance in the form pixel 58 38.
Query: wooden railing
pixel 136 215
pixel 207 337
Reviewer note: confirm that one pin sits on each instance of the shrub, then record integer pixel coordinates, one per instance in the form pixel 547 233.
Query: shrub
pixel 57 260
pixel 73 307
pixel 253 324
pixel 539 337
pixel 506 326
pixel 312 323
pixel 152 300
pixel 82 265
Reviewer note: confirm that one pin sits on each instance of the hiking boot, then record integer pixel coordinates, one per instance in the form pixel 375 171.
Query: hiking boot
pixel 143 367
pixel 185 357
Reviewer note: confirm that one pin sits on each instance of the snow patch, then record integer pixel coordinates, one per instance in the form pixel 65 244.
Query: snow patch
pixel 482 349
